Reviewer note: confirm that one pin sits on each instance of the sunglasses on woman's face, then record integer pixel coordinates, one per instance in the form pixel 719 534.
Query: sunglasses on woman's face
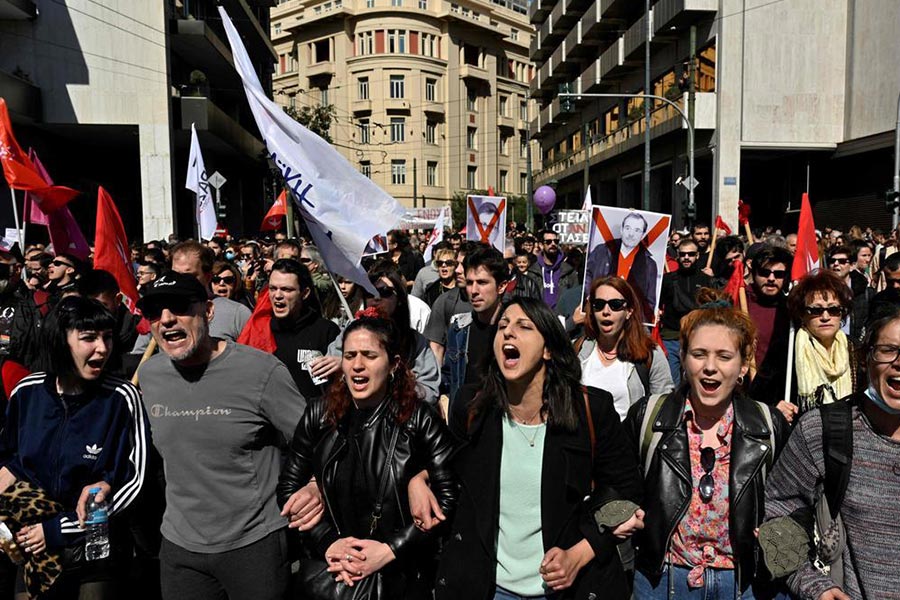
pixel 707 485
pixel 226 279
pixel 444 263
pixel 818 311
pixel 615 305
pixel 385 291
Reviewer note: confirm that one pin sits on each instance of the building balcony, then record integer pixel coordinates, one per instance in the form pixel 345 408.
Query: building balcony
pixel 206 116
pixel 23 98
pixel 506 122
pixel 618 9
pixel 538 10
pixel 318 14
pixel 521 124
pixel 361 107
pixel 590 77
pixel 434 108
pixel 669 14
pixel 596 27
pixel 636 36
pixel 472 72
pixel 17 10
pixel 396 105
pixel 199 43
pixel 535 128
pixel 612 61
pixel 325 68
pixel 256 38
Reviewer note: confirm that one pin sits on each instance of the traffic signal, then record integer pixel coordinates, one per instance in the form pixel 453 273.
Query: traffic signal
pixel 690 210
pixel 891 200
pixel 566 104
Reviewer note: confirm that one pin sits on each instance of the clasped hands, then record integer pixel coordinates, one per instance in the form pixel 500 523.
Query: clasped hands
pixel 351 559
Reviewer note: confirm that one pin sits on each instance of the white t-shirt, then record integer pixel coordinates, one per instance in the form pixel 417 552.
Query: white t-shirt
pixel 612 378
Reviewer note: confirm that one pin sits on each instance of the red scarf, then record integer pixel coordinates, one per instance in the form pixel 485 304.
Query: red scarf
pixel 257 332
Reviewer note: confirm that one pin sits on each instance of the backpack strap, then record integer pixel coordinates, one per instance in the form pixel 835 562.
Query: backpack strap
pixel 770 425
pixel 590 421
pixel 648 437
pixel 643 371
pixel 837 449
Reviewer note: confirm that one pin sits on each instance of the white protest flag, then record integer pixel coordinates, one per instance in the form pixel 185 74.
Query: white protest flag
pixel 437 235
pixel 588 203
pixel 205 212
pixel 343 208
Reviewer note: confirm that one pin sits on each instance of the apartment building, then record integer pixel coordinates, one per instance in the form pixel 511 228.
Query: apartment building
pixel 430 96
pixel 784 97
pixel 106 93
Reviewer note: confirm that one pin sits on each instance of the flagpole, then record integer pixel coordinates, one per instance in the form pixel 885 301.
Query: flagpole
pixel 712 247
pixel 790 359
pixel 19 228
pixel 340 294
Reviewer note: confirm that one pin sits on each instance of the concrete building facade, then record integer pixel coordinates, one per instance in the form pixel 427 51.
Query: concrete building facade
pixel 106 92
pixel 778 91
pixel 430 96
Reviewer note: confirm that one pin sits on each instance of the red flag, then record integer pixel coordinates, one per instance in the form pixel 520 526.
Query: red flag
pixel 657 337
pixel 806 258
pixel 65 235
pixel 490 190
pixel 721 225
pixel 743 213
pixel 735 282
pixel 21 173
pixel 111 250
pixel 33 214
pixel 258 331
pixel 275 217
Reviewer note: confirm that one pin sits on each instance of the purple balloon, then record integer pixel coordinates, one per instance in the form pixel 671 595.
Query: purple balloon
pixel 544 199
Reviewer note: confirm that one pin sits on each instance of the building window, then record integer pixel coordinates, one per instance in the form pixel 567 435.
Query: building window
pixel 472 102
pixel 430 132
pixel 503 181
pixel 514 34
pixel 504 145
pixel 365 43
pixel 431 174
pixel 396 2
pixel 323 96
pixel 523 146
pixel 398 129
pixel 398 172
pixel 396 41
pixel 523 111
pixel 471 138
pixel 322 50
pixel 365 167
pixel 523 183
pixel 318 10
pixel 370 3
pixel 503 106
pixel 364 132
pixel 397 86
pixel 277 27
pixel 423 4
pixel 431 90
pixel 362 88
pixel 471 177
pixel 428 41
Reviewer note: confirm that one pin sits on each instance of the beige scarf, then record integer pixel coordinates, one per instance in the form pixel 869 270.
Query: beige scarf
pixel 816 366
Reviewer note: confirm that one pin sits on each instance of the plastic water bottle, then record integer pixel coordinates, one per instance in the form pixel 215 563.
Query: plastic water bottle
pixel 97 544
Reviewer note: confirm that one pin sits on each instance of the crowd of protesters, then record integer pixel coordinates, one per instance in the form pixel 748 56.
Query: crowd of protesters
pixel 472 427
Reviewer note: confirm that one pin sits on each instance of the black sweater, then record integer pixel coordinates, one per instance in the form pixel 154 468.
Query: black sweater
pixel 298 340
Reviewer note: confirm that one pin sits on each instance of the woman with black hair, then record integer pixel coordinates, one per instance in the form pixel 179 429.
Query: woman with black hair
pixel 540 457
pixel 70 429
pixel 363 443
pixel 333 308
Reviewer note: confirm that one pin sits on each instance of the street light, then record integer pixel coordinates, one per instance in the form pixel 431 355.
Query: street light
pixel 691 182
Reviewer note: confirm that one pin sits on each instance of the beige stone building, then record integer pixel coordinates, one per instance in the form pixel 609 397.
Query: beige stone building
pixel 430 95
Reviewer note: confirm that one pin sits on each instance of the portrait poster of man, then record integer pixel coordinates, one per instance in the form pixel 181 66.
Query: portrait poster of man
pixel 486 220
pixel 377 245
pixel 630 244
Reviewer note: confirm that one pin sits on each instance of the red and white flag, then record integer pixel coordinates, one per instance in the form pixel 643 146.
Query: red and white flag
pixel 274 219
pixel 588 201
pixel 437 234
pixel 111 250
pixel 21 173
pixel 806 258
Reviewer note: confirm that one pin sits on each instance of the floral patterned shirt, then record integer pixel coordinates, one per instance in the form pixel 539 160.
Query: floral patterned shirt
pixel 702 538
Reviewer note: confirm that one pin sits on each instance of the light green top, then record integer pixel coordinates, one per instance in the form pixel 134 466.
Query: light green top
pixel 520 547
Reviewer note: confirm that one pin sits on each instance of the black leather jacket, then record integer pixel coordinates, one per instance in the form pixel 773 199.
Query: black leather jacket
pixel 668 486
pixel 424 442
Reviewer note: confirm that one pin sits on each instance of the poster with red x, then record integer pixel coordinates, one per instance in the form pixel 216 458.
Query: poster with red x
pixel 630 244
pixel 486 220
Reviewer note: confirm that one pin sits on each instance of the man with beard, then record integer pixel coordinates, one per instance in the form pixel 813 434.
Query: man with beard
pixel 551 269
pixel 220 412
pixel 629 259
pixel 678 297
pixel 700 235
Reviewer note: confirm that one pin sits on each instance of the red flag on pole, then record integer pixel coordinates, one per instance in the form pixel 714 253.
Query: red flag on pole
pixel 806 258
pixel 21 173
pixel 735 282
pixel 65 235
pixel 721 225
pixel 112 253
pixel 275 217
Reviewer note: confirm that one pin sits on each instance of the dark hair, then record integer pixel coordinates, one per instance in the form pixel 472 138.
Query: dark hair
pixel 96 282
pixel 206 255
pixel 72 312
pixel 563 377
pixel 636 215
pixel 699 225
pixel 884 307
pixel 491 259
pixel 156 254
pixel 819 283
pixel 454 236
pixel 77 264
pixel 891 263
pixel 304 279
pixel 467 247
pixel 293 244
pixel 840 250
pixel 857 245
pixel 687 241
pixel 402 390
pixel 155 267
pixel 332 307
pixel 544 232
pixel 219 240
pixel 724 246
pixel 400 238
pixel 770 255
pixel 388 269
pixel 239 293
pixel 635 345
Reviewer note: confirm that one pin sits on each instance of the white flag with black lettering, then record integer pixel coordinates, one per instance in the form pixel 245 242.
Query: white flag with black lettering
pixel 343 208
pixel 205 210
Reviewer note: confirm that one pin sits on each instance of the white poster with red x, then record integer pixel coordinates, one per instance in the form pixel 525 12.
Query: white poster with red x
pixel 486 220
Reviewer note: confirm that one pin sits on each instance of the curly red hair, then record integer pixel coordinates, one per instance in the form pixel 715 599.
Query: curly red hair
pixel 402 391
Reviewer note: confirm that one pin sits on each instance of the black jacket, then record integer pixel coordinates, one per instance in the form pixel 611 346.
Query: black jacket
pixel 468 564
pixel 668 485
pixel 424 442
pixel 297 339
pixel 678 296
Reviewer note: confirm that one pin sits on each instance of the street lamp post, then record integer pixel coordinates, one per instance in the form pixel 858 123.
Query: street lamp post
pixel 691 182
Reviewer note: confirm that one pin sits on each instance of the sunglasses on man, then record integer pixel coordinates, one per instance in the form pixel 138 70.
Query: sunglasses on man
pixel 766 273
pixel 177 305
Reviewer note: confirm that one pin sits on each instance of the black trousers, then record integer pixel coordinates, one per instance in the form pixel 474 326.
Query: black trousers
pixel 260 571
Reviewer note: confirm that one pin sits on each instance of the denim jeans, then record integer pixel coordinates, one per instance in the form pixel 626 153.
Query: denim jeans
pixel 502 594
pixel 719 584
pixel 673 356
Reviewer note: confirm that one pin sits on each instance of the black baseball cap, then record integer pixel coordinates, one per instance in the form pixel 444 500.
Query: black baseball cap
pixel 171 290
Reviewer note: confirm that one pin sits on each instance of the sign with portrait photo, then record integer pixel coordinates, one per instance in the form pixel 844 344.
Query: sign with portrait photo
pixel 486 220
pixel 630 244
